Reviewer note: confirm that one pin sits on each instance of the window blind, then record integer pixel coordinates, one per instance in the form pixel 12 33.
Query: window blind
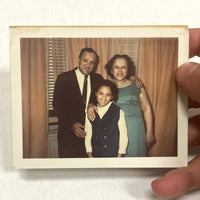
pixel 57 59
pixel 129 46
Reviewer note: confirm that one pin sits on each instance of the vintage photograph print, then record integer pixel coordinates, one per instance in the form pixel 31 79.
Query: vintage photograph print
pixel 98 96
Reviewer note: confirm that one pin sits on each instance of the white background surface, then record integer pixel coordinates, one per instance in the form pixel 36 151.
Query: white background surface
pixel 80 184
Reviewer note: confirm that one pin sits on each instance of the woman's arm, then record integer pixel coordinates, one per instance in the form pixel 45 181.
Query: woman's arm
pixel 148 117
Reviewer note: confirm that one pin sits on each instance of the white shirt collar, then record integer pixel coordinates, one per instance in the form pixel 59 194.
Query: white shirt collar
pixel 103 110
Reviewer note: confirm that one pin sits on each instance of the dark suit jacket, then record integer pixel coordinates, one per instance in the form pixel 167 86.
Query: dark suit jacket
pixel 68 107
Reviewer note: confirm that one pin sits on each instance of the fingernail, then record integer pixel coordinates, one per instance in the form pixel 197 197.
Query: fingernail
pixel 185 71
pixel 157 180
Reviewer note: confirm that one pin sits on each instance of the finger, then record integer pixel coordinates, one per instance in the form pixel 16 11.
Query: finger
pixel 193 167
pixel 91 112
pixel 187 77
pixel 90 116
pixel 193 104
pixel 82 126
pixel 93 115
pixel 80 135
pixel 194 42
pixel 83 135
pixel 138 83
pixel 78 124
pixel 178 181
pixel 78 131
pixel 194 131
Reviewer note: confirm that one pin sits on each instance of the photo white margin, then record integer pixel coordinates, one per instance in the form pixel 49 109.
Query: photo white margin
pixel 17 32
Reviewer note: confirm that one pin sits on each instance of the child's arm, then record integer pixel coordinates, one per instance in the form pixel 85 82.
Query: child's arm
pixel 88 137
pixel 123 134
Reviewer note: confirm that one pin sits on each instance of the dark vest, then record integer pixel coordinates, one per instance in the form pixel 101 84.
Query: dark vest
pixel 105 133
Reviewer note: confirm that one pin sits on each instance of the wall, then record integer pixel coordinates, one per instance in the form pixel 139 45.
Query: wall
pixel 79 184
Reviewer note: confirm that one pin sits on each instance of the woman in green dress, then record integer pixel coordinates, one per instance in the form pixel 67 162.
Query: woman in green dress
pixel 133 100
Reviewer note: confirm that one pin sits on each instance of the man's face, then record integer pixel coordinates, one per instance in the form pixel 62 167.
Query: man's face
pixel 87 62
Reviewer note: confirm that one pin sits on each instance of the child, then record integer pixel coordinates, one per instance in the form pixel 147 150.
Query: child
pixel 106 136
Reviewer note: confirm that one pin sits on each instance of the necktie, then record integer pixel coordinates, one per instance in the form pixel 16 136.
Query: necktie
pixel 84 95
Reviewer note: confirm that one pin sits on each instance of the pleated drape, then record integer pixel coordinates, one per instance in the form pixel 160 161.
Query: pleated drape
pixel 159 61
pixel 100 45
pixel 34 98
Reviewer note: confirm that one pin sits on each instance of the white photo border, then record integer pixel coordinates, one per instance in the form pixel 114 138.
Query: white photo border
pixel 17 32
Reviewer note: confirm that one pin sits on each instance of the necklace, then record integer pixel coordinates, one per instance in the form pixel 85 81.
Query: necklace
pixel 122 84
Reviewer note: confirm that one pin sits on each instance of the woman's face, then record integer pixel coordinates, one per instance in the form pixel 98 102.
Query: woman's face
pixel 119 69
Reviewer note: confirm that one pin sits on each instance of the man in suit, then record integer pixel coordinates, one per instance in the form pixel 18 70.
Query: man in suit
pixel 73 90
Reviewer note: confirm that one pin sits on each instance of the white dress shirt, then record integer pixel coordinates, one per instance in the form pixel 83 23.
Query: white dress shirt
pixel 80 77
pixel 123 136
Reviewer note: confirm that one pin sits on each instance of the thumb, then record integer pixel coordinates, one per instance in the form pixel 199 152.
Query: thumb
pixel 188 78
pixel 178 181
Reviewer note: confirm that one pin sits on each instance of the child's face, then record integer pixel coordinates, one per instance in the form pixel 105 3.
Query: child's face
pixel 104 96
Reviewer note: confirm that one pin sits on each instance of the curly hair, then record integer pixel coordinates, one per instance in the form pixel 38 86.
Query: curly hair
pixel 111 85
pixel 130 64
pixel 90 50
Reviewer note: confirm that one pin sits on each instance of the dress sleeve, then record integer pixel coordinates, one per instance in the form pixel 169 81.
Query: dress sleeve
pixel 123 135
pixel 88 137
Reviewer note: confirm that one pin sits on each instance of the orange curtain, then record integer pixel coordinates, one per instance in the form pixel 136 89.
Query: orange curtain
pixel 159 61
pixel 34 98
pixel 100 45
pixel 74 46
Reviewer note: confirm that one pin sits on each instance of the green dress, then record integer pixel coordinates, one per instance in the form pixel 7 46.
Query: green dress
pixel 129 102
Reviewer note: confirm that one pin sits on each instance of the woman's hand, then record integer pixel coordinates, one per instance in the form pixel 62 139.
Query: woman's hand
pixel 91 112
pixel 150 140
pixel 137 80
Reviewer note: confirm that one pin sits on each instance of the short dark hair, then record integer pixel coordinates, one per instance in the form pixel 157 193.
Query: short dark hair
pixel 87 49
pixel 130 63
pixel 112 87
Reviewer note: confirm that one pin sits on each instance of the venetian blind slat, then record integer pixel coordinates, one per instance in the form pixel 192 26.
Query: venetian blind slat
pixel 57 60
